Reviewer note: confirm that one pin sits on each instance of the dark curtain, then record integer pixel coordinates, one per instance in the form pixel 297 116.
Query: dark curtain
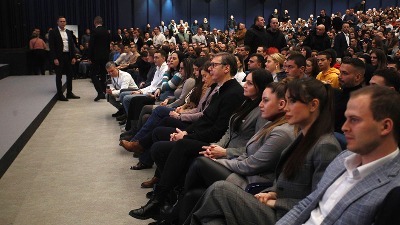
pixel 20 17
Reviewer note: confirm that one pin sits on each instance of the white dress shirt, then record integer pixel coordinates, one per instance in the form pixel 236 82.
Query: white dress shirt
pixel 123 81
pixel 157 79
pixel 354 173
pixel 64 38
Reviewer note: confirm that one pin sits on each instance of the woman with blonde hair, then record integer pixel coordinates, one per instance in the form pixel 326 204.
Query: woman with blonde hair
pixel 274 65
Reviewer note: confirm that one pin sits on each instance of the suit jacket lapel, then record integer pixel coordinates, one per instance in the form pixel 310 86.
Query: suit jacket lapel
pixel 376 179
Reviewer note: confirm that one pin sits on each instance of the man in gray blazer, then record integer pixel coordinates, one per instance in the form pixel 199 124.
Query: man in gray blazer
pixel 354 185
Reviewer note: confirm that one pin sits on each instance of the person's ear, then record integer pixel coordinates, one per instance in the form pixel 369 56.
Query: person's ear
pixel 387 126
pixel 314 105
pixel 281 104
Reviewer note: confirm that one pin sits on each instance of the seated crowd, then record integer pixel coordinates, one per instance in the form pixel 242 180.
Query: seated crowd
pixel 296 123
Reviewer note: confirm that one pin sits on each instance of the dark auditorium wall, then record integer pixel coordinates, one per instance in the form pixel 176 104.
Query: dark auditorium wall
pixel 19 17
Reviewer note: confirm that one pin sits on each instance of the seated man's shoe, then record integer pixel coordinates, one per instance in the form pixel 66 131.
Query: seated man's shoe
pixel 150 210
pixel 72 96
pixel 62 98
pixel 140 166
pixel 149 194
pixel 121 117
pixel 132 146
pixel 123 122
pixel 160 222
pixel 136 155
pixel 117 114
pixel 99 96
pixel 150 183
pixel 128 135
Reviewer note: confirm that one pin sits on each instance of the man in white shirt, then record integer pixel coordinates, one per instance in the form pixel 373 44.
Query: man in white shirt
pixel 120 80
pixel 158 38
pixel 62 55
pixel 151 92
pixel 199 37
pixel 354 185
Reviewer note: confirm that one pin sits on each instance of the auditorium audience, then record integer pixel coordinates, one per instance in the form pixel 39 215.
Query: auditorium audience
pixel 256 165
pixel 300 168
pixel 347 52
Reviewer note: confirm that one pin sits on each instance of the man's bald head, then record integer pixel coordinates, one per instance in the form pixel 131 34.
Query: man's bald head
pixel 320 30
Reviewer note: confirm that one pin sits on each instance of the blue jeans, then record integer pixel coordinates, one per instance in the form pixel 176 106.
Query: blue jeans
pixel 153 121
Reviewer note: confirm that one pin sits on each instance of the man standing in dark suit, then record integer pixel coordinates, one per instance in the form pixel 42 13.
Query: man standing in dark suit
pixel 62 54
pixel 99 50
pixel 342 40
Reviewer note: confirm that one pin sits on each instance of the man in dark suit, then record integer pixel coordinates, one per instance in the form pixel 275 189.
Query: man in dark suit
pixel 62 54
pixel 99 50
pixel 342 40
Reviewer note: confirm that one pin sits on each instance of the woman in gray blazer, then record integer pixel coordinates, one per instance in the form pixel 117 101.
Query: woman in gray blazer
pixel 301 165
pixel 257 163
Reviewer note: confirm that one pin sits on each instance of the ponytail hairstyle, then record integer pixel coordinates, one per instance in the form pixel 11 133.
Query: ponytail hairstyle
pixel 198 86
pixel 305 90
pixel 279 89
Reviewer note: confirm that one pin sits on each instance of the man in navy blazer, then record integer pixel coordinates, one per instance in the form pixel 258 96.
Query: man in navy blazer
pixel 62 54
pixel 99 50
pixel 357 181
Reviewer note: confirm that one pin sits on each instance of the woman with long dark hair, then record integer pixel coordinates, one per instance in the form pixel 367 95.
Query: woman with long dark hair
pixel 312 69
pixel 187 95
pixel 300 168
pixel 170 81
pixel 378 59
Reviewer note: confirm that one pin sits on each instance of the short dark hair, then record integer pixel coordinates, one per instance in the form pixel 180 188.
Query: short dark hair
pixel 391 77
pixel 162 53
pixel 247 48
pixel 328 56
pixel 260 59
pixel 356 63
pixel 229 59
pixel 298 59
pixel 384 104
pixel 256 19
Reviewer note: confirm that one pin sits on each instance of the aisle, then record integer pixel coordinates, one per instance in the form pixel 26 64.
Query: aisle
pixel 72 170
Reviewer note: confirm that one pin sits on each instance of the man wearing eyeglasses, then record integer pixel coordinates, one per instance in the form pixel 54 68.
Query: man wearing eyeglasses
pixel 207 129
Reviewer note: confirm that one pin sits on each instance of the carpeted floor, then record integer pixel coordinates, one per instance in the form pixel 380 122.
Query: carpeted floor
pixel 72 170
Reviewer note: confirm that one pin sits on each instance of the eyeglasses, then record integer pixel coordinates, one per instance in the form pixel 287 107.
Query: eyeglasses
pixel 213 65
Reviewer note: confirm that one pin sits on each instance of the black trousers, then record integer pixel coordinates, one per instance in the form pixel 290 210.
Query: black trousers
pixel 64 66
pixel 166 127
pixel 203 172
pixel 173 160
pixel 98 74
pixel 135 107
